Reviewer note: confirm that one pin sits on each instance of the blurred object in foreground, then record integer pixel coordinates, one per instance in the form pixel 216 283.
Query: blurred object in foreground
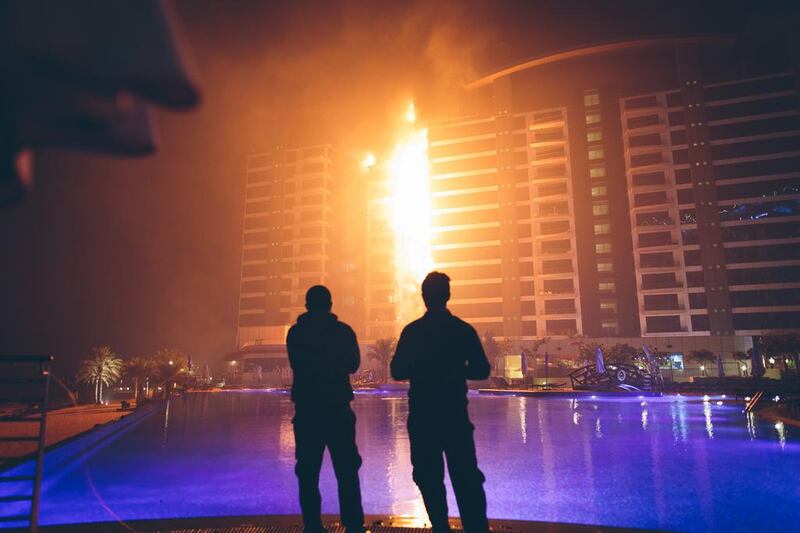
pixel 80 75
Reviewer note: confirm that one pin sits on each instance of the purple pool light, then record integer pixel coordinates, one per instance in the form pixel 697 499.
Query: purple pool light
pixel 675 463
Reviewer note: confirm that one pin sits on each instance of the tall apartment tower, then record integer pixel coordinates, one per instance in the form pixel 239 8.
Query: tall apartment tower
pixel 713 172
pixel 286 238
pixel 381 296
pixel 503 222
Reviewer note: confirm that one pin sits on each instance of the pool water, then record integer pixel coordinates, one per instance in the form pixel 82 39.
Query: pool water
pixel 674 463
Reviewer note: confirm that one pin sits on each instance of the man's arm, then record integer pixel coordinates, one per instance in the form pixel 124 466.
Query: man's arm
pixel 352 353
pixel 478 366
pixel 401 361
pixel 291 348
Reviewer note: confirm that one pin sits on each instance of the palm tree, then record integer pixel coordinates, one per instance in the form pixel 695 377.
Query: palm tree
pixel 103 367
pixel 382 352
pixel 702 357
pixel 620 354
pixel 139 369
pixel 783 346
pixel 170 367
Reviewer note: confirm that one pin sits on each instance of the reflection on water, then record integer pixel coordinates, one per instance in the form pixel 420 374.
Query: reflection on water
pixel 779 427
pixel 165 427
pixel 602 460
pixel 709 424
pixel 751 424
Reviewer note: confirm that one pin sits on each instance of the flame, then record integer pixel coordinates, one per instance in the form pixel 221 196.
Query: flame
pixel 409 178
pixel 411 113
pixel 368 161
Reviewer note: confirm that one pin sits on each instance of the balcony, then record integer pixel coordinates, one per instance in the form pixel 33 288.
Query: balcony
pixel 661 286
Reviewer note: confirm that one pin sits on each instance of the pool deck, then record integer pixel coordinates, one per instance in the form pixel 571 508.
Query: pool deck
pixel 62 424
pixel 778 414
pixel 564 393
pixel 291 524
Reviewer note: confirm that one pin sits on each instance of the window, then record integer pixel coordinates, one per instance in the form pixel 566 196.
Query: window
pixel 602 229
pixel 597 172
pixel 608 307
pixel 605 267
pixel 607 286
pixel 590 99
pixel 593 118
pixel 602 248
pixel 610 327
pixel 600 190
pixel 596 154
pixel 600 209
pixel 594 136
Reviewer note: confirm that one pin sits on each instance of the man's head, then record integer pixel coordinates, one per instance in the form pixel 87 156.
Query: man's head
pixel 318 299
pixel 436 290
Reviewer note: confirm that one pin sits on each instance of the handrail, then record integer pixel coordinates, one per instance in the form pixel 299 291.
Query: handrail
pixel 9 359
pixel 43 362
pixel 753 401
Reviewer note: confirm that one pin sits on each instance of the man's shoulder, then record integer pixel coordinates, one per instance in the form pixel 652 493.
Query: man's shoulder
pixel 462 324
pixel 345 328
pixel 413 326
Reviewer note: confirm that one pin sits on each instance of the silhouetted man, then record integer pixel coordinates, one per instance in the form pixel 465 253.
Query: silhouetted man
pixel 323 352
pixel 437 354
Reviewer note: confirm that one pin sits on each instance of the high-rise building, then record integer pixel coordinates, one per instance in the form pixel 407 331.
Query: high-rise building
pixel 379 239
pixel 286 237
pixel 713 171
pixel 644 187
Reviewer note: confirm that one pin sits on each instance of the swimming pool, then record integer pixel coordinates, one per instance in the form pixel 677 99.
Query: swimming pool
pixel 675 463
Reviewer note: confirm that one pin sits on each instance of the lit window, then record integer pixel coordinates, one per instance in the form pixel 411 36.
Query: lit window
pixel 603 248
pixel 591 99
pixel 596 154
pixel 605 267
pixel 602 229
pixel 609 307
pixel 597 172
pixel 594 136
pixel 610 326
pixel 600 190
pixel 600 209
pixel 607 286
pixel 593 118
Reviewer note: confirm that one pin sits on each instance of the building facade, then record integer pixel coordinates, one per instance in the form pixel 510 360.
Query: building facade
pixel 286 237
pixel 713 172
pixel 634 188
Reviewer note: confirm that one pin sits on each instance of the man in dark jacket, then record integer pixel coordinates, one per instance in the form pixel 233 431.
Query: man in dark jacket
pixel 323 352
pixel 437 354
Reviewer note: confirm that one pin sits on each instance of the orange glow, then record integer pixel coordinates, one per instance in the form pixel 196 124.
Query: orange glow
pixel 368 161
pixel 409 179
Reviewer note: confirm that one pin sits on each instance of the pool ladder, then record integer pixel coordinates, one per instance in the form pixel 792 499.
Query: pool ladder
pixel 18 376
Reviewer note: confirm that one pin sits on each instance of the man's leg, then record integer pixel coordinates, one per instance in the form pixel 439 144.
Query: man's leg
pixel 428 471
pixel 309 447
pixel 467 479
pixel 346 462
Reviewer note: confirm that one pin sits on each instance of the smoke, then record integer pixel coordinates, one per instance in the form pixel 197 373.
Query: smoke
pixel 335 72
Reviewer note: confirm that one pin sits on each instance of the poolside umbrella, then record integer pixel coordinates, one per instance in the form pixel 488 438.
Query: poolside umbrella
pixel 720 367
pixel 599 364
pixel 524 366
pixel 546 365
pixel 652 366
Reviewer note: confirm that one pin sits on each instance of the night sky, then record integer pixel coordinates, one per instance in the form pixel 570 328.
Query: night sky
pixel 143 254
